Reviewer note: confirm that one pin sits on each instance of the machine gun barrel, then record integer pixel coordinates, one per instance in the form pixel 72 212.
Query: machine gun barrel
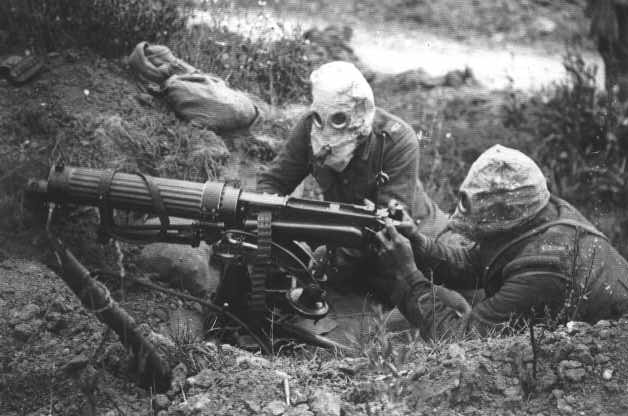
pixel 210 203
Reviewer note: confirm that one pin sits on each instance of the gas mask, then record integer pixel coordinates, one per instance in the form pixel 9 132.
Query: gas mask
pixel 503 190
pixel 342 110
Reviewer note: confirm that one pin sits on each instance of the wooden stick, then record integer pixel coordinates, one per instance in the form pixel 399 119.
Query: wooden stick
pixel 96 298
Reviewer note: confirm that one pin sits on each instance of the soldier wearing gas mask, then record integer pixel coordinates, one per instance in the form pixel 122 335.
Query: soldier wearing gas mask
pixel 356 152
pixel 535 255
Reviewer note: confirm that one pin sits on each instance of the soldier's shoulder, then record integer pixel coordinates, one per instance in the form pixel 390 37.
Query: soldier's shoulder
pixel 394 127
pixel 548 251
pixel 556 241
pixel 301 129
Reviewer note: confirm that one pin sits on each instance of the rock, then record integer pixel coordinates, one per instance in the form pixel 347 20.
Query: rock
pixel 324 403
pixel 586 339
pixel 27 313
pixel 203 379
pixel 419 372
pixel 571 370
pixel 543 25
pixel 547 381
pixel 562 350
pixel 500 382
pixel 115 357
pixel 613 387
pixel 160 402
pixel 456 351
pixel 498 355
pixel 575 327
pixel 145 99
pixel 581 353
pixel 181 266
pixel 246 360
pixel 558 393
pixel 300 410
pixel 607 374
pixel 179 374
pixel 26 330
pixel 61 305
pixel 601 358
pixel 561 404
pixel 297 396
pixel 76 364
pixel 602 324
pixel 162 343
pixel 605 333
pixel 195 405
pixel 56 322
pixel 513 393
pixel 254 406
pixel 275 408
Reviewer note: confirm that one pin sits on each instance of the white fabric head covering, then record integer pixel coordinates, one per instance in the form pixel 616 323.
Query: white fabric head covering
pixel 339 87
pixel 503 189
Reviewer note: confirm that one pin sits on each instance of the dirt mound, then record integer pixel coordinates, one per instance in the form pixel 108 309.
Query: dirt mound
pixel 46 336
pixel 43 328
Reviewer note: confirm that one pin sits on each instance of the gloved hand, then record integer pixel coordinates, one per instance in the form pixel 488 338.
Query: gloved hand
pixel 395 252
pixel 407 225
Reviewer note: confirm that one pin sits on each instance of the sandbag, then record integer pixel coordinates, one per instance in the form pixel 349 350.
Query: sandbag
pixel 157 63
pixel 208 100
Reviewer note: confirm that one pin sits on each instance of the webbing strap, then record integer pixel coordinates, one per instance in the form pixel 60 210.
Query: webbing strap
pixel 106 212
pixel 537 230
pixel 381 177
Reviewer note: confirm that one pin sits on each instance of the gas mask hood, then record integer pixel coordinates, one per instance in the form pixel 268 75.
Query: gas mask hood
pixel 342 110
pixel 503 190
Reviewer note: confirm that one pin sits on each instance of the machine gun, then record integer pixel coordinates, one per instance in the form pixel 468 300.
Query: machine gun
pixel 265 275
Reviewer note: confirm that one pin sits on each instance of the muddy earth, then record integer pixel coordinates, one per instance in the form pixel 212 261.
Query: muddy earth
pixel 56 358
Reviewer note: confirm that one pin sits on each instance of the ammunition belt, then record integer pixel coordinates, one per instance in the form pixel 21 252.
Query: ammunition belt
pixel 261 268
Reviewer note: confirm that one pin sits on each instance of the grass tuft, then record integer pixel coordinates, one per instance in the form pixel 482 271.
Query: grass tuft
pixel 110 27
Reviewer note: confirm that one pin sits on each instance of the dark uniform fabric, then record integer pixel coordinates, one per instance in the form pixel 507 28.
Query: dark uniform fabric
pixel 393 148
pixel 400 161
pixel 567 269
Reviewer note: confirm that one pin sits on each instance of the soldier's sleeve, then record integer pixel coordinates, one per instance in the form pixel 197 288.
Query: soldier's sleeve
pixel 455 266
pixel 532 286
pixel 290 166
pixel 401 164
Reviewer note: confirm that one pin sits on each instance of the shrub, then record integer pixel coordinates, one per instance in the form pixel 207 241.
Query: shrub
pixel 580 139
pixel 110 27
pixel 277 71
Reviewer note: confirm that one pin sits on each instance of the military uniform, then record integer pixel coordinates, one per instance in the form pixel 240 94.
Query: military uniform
pixel 557 263
pixel 392 147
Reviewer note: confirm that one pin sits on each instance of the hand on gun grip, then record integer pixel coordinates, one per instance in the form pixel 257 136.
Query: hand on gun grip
pixel 395 251
pixel 406 225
